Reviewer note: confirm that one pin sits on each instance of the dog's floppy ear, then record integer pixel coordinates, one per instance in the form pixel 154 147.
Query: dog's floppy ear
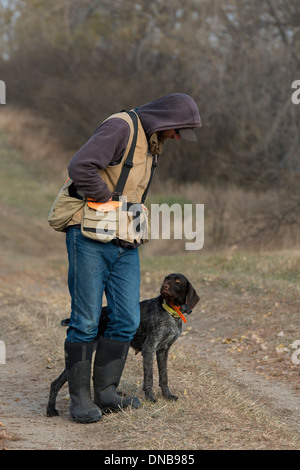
pixel 192 297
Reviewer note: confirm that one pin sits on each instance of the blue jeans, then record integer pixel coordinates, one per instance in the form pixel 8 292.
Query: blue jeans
pixel 95 268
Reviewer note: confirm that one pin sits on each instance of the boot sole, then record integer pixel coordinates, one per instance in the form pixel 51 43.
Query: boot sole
pixel 116 408
pixel 85 420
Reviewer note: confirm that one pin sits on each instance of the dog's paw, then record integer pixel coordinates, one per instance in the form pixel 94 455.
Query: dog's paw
pixel 150 396
pixel 152 399
pixel 52 412
pixel 170 397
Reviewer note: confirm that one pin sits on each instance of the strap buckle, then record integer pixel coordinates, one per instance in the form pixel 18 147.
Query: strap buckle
pixel 128 164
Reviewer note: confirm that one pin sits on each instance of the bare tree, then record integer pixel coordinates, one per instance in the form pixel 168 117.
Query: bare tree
pixel 84 59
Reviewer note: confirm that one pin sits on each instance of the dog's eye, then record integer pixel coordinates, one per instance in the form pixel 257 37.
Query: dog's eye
pixel 177 280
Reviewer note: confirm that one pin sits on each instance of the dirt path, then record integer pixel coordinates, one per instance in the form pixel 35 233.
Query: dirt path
pixel 25 383
pixel 280 397
pixel 251 362
pixel 30 368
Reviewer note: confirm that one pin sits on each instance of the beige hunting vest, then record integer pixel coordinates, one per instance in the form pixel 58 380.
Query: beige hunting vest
pixel 139 174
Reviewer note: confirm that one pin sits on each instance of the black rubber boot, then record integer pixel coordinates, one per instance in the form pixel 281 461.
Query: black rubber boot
pixel 108 367
pixel 78 366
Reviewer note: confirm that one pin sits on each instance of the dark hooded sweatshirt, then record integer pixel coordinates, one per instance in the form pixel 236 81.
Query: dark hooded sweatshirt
pixel 109 141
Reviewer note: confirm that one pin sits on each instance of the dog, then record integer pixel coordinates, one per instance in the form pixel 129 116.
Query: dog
pixel 160 326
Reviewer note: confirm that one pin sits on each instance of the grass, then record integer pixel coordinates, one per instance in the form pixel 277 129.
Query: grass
pixel 245 270
pixel 212 411
pixel 24 187
pixel 247 298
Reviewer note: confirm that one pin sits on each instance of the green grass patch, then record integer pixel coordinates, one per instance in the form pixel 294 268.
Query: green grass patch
pixel 238 271
pixel 24 186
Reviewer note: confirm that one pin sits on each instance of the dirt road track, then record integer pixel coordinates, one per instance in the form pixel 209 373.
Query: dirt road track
pixel 25 383
pixel 33 295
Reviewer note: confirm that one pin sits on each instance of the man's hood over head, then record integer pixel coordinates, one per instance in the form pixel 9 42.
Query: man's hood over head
pixel 175 111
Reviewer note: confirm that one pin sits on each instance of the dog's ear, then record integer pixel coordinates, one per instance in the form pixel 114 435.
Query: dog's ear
pixel 192 298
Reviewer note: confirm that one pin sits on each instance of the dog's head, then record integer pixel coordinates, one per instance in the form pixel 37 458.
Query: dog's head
pixel 177 290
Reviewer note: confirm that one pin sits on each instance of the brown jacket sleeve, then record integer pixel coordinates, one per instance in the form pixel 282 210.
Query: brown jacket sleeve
pixel 106 147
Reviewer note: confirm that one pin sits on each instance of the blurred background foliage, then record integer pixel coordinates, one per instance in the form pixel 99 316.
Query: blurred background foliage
pixel 75 62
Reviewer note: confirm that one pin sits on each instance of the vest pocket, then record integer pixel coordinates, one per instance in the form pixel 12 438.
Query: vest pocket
pixel 126 221
pixel 99 224
pixel 64 207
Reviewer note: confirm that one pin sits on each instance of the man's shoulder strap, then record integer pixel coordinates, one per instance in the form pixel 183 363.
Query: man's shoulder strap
pixel 128 164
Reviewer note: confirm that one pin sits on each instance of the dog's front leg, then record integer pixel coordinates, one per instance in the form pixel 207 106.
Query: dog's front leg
pixel 162 360
pixel 148 357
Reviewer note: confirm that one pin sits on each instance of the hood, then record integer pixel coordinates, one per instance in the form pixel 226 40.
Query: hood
pixel 175 111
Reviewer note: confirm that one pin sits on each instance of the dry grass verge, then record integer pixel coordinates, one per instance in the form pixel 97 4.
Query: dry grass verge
pixel 212 412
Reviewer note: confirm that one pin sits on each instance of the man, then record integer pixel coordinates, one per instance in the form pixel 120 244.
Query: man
pixel 112 267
